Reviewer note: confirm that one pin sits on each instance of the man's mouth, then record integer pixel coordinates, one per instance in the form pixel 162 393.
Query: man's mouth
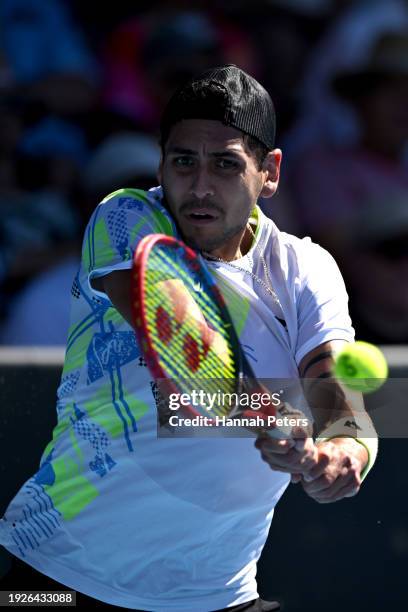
pixel 202 216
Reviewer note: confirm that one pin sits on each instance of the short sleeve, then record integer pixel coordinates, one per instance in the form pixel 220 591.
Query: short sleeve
pixel 322 304
pixel 117 226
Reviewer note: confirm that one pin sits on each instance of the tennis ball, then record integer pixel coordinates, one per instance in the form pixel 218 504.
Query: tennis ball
pixel 361 366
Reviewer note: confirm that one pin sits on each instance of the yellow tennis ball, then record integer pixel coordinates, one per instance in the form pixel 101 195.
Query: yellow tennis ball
pixel 361 366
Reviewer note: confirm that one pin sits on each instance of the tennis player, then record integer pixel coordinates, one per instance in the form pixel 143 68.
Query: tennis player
pixel 179 524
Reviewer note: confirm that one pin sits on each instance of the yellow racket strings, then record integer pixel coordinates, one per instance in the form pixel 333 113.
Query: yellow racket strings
pixel 185 325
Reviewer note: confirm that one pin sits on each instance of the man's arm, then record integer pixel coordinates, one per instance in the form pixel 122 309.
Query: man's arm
pixel 116 285
pixel 339 414
pixel 327 398
pixel 329 469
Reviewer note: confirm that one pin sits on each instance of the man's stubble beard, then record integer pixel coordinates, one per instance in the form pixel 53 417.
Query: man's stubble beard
pixel 210 244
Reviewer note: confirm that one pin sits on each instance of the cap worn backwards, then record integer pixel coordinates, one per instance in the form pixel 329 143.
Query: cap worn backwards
pixel 226 94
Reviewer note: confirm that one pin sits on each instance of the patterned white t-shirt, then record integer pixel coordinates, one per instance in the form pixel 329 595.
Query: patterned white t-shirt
pixel 164 524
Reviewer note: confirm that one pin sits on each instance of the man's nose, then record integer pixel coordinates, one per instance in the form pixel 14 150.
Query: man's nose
pixel 201 185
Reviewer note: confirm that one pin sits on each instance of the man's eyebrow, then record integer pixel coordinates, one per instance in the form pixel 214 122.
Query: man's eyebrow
pixel 183 151
pixel 226 153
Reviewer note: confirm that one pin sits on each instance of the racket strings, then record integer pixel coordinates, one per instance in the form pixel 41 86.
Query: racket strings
pixel 181 340
pixel 208 371
pixel 182 367
pixel 205 302
pixel 187 330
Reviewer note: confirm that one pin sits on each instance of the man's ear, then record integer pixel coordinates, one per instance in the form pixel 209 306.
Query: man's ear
pixel 271 168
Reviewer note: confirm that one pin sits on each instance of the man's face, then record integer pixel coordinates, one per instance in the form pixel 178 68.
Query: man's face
pixel 211 182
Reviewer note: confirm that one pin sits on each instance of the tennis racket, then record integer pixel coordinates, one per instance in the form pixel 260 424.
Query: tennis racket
pixel 185 331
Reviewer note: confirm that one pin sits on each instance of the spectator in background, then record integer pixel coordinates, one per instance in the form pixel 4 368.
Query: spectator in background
pixel 38 224
pixel 124 159
pixel 379 271
pixel 47 59
pixel 39 314
pixel 343 187
pixel 147 57
pixel 127 158
pixel 40 230
pixel 48 83
pixel 323 117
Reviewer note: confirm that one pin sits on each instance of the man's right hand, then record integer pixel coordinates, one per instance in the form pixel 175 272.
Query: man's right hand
pixel 295 455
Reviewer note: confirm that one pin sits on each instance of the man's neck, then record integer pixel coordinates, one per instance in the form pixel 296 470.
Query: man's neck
pixel 236 248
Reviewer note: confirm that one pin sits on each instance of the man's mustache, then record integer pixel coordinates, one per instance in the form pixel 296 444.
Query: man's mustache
pixel 192 205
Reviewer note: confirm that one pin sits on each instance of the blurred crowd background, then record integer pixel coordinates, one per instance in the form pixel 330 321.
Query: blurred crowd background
pixel 82 86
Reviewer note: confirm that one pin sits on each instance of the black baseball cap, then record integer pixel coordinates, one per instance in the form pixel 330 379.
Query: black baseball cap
pixel 226 94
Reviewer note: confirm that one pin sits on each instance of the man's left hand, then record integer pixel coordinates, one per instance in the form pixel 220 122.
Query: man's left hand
pixel 338 471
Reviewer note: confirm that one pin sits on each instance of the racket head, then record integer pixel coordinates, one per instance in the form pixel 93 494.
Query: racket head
pixel 183 325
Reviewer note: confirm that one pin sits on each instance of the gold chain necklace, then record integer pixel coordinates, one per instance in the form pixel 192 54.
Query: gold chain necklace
pixel 267 286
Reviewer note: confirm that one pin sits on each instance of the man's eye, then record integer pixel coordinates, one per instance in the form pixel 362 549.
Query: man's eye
pixel 226 164
pixel 183 161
